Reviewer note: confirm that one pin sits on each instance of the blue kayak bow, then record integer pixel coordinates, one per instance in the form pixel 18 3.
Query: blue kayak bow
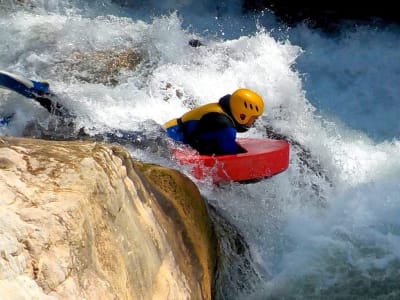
pixel 39 91
pixel 26 87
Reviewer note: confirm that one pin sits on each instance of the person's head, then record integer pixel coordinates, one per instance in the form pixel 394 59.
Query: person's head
pixel 246 106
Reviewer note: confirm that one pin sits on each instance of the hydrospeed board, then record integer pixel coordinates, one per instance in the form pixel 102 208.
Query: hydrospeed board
pixel 260 158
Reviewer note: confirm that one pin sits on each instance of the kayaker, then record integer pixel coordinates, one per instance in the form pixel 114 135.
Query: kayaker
pixel 212 128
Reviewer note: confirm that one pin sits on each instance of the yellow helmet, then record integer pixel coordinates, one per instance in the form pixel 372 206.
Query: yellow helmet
pixel 244 104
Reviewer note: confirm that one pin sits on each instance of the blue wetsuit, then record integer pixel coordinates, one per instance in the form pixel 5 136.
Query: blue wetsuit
pixel 210 129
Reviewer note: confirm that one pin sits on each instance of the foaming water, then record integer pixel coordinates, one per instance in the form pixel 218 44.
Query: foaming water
pixel 323 226
pixel 353 246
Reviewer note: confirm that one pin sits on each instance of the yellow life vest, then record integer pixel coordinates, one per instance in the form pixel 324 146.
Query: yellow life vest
pixel 196 114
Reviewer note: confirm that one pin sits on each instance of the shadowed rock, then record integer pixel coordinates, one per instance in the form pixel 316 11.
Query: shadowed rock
pixel 328 14
pixel 103 66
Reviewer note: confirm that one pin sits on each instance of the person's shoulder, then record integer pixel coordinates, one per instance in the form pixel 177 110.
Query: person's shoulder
pixel 217 120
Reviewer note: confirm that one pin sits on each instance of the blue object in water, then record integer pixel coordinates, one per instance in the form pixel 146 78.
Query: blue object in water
pixel 5 120
pixel 21 85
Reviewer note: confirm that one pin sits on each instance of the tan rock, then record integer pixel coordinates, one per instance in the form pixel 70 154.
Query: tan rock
pixel 82 220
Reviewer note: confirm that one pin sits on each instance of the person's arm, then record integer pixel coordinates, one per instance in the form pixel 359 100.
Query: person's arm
pixel 219 142
pixel 215 134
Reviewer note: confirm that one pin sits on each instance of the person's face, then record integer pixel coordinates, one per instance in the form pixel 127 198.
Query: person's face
pixel 251 122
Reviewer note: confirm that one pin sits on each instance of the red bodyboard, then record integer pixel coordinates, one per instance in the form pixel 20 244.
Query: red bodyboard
pixel 261 158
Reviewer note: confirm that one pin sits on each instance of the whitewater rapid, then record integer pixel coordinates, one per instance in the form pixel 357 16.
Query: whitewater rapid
pixel 327 224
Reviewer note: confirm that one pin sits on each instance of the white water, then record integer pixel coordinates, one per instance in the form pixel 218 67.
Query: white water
pixel 335 234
